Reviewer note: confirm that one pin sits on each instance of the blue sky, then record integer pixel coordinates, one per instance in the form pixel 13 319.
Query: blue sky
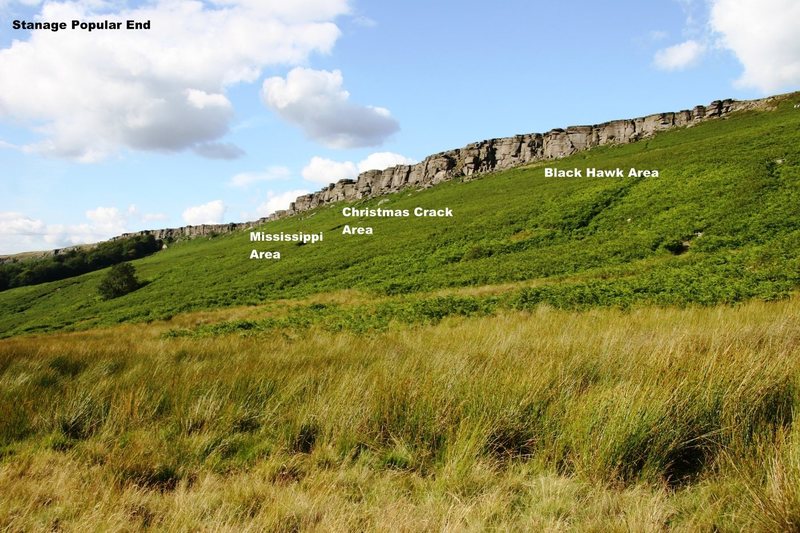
pixel 227 109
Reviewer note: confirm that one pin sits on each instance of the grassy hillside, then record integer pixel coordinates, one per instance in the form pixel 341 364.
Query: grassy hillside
pixel 560 355
pixel 719 225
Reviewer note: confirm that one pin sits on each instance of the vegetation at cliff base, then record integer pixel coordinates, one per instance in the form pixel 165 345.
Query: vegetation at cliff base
pixel 118 281
pixel 16 272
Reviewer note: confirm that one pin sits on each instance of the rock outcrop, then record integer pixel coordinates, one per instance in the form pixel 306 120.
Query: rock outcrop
pixel 473 159
pixel 190 232
pixel 508 152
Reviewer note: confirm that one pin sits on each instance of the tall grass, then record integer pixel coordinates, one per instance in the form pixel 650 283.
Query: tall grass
pixel 606 419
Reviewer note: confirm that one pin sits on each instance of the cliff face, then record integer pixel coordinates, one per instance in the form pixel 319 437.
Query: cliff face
pixel 478 158
pixel 191 232
pixel 500 154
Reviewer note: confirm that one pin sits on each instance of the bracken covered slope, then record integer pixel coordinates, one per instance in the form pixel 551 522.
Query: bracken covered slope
pixel 719 224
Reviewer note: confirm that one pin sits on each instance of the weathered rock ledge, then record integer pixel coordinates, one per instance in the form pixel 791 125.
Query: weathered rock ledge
pixel 477 158
pixel 508 152
pixel 190 232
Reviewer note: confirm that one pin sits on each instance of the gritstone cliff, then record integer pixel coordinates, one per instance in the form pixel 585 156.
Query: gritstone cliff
pixel 482 157
pixel 507 152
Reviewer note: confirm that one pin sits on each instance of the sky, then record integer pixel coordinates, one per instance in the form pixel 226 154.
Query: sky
pixel 226 110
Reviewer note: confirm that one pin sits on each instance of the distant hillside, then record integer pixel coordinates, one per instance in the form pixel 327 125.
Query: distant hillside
pixel 719 224
pixel 472 160
pixel 33 269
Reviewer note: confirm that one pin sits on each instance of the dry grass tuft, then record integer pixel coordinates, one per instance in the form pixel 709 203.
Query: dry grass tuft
pixel 602 420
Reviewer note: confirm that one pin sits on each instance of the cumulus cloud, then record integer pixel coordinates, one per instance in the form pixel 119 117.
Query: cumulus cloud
pixel 382 160
pixel 246 179
pixel 154 217
pixel 20 233
pixel 315 101
pixel 210 213
pixel 19 225
pixel 90 94
pixel 325 171
pixel 763 36
pixel 134 215
pixel 278 201
pixel 679 56
pixel 107 220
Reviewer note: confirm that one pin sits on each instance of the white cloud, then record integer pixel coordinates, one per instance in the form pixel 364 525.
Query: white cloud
pixel 13 223
pixel 383 160
pixel 90 94
pixel 315 101
pixel 134 215
pixel 325 171
pixel 679 56
pixel 245 179
pixel 210 213
pixel 108 220
pixel 278 201
pixel 763 36
pixel 21 233
pixel 154 217
pixel 61 235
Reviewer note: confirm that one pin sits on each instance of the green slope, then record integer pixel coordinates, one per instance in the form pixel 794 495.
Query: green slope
pixel 728 188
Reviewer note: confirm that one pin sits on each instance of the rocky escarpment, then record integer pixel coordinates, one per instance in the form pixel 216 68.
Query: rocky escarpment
pixel 190 232
pixel 474 159
pixel 164 236
pixel 504 153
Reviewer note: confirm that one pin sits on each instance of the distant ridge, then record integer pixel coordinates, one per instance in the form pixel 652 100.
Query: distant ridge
pixel 508 152
pixel 473 159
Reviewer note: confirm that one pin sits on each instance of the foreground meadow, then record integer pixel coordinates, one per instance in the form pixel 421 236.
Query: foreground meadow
pixel 644 419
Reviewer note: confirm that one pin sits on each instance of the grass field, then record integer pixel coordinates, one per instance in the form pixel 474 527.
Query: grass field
pixel 564 354
pixel 644 419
